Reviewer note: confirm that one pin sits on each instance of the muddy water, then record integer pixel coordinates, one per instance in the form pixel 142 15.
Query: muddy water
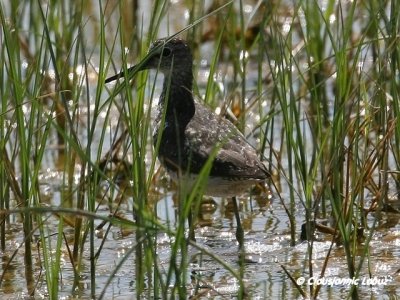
pixel 267 242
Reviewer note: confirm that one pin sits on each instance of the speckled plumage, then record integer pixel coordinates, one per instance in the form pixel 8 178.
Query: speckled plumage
pixel 190 131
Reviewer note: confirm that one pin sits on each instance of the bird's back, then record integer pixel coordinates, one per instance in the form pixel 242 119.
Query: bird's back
pixel 188 151
pixel 235 157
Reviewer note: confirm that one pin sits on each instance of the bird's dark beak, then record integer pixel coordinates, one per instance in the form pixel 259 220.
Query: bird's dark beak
pixel 119 75
pixel 130 72
pixel 144 64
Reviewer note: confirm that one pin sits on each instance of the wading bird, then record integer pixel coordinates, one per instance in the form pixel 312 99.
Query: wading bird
pixel 189 133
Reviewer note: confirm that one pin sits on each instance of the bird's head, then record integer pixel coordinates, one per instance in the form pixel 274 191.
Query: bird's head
pixel 168 55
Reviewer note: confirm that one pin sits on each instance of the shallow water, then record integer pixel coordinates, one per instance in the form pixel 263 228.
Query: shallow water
pixel 267 243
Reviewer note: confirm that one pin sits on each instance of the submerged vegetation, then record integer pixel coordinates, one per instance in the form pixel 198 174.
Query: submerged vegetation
pixel 314 85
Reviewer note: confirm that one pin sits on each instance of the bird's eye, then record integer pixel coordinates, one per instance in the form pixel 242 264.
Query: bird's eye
pixel 166 52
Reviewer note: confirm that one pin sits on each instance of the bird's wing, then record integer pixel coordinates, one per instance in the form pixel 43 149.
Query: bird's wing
pixel 235 156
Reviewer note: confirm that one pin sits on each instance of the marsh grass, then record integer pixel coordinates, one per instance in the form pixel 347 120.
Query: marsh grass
pixel 346 157
pixel 326 93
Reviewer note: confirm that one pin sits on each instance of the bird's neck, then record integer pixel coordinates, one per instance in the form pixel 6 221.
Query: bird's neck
pixel 177 98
